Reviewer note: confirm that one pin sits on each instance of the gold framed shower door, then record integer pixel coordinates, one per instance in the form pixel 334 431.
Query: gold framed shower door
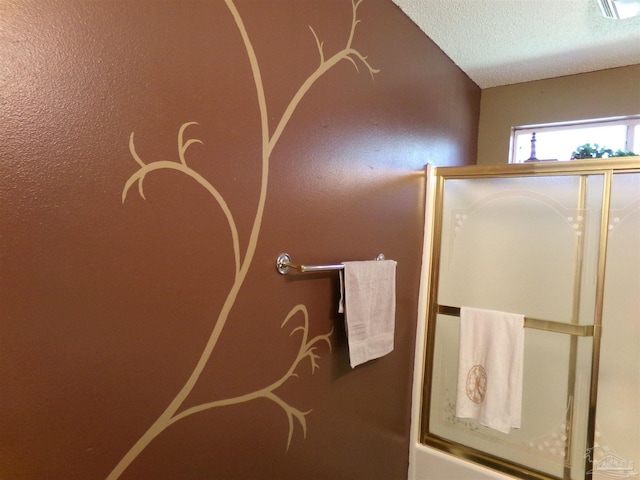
pixel 577 192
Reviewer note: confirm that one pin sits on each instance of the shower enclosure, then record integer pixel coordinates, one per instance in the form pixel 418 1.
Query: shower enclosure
pixel 558 242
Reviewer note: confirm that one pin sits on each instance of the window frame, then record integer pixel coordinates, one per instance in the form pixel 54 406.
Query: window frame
pixel 631 121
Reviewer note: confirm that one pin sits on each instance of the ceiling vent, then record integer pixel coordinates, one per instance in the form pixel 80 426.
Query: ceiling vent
pixel 620 8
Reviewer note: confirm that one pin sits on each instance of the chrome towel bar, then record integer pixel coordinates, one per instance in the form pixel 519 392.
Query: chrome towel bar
pixel 284 264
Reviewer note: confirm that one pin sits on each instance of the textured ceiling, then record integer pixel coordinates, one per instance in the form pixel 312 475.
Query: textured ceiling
pixel 500 42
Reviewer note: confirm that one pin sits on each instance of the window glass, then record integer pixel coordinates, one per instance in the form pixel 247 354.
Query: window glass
pixel 558 142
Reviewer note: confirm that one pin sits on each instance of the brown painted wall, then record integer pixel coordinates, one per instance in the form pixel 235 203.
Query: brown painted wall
pixel 107 306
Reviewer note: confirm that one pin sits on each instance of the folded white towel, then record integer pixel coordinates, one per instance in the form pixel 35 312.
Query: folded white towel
pixel 368 300
pixel 490 368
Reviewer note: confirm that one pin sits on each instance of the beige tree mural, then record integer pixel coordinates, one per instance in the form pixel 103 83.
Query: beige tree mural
pixel 174 413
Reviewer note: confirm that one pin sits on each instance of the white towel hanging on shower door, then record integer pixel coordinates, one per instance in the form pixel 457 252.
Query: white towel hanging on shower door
pixel 490 368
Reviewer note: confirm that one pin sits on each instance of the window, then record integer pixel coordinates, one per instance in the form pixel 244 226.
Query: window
pixel 558 141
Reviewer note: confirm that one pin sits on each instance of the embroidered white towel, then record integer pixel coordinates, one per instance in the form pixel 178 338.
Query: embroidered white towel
pixel 368 300
pixel 490 368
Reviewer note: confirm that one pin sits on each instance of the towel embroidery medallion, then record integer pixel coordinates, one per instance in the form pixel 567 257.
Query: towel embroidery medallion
pixel 477 383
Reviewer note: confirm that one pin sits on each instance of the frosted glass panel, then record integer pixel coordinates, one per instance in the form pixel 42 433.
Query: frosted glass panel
pixel 513 244
pixel 541 442
pixel 617 449
pixel 525 245
pixel 532 245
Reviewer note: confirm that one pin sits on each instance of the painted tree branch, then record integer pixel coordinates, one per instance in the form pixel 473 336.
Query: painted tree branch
pixel 347 53
pixel 172 413
pixel 140 175
pixel 306 350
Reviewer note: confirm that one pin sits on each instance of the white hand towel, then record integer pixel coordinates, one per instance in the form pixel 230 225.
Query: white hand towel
pixel 490 368
pixel 368 300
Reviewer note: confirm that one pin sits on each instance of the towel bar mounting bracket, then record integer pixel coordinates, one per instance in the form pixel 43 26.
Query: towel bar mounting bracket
pixel 282 263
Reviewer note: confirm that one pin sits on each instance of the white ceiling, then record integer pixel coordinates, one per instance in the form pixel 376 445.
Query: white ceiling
pixel 500 42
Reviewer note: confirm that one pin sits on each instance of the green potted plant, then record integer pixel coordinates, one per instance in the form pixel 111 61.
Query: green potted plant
pixel 596 151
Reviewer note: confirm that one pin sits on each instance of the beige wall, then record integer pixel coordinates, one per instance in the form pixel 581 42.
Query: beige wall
pixel 606 93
